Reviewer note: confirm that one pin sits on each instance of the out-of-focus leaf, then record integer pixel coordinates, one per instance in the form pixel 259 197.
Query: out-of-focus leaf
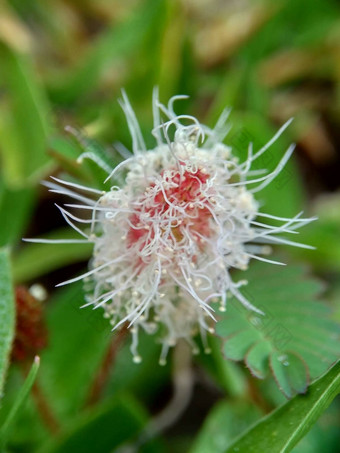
pixel 225 422
pixel 104 429
pixel 281 430
pixel 284 195
pixel 295 338
pixel 7 314
pixel 84 334
pixel 15 208
pixel 170 55
pixel 323 235
pixel 20 400
pixel 95 165
pixel 290 372
pixel 25 126
pixel 117 42
pixel 228 375
pixel 36 259
pixel 78 339
pixel 136 378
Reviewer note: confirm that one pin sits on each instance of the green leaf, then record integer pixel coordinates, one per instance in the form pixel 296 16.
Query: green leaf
pixel 323 233
pixel 15 209
pixel 256 359
pixel 96 165
pixel 78 339
pixel 103 429
pixel 25 125
pixel 36 259
pixel 296 338
pixel 20 400
pixel 324 434
pixel 225 421
pixel 281 430
pixel 7 314
pixel 117 42
pixel 290 372
pixel 84 334
pixel 226 374
pixel 286 187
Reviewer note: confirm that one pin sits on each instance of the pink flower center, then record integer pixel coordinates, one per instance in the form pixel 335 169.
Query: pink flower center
pixel 182 191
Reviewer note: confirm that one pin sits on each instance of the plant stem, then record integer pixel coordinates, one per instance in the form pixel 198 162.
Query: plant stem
pixel 104 370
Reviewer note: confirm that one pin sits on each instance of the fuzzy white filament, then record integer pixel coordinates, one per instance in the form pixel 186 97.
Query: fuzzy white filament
pixel 166 239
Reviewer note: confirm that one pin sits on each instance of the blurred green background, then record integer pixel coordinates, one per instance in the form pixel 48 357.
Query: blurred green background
pixel 64 63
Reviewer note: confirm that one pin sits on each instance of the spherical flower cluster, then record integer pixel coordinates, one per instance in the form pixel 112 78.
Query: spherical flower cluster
pixel 177 220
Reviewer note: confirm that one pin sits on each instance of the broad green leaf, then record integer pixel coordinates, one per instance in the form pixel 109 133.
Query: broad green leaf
pixel 34 259
pixel 225 422
pixel 19 402
pixel 25 126
pixel 295 338
pixel 281 430
pixel 104 429
pixel 7 314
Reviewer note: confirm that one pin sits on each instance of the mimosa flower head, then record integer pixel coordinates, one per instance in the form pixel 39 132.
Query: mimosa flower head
pixel 175 222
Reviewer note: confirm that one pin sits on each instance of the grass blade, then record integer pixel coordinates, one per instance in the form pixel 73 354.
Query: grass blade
pixel 281 430
pixel 21 398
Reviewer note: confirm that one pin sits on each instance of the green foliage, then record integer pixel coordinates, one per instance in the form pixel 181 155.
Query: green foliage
pixel 74 330
pixel 324 235
pixel 104 429
pixel 7 313
pixel 74 333
pixel 84 158
pixel 34 259
pixel 15 209
pixel 295 338
pixel 19 402
pixel 64 64
pixel 25 126
pixel 284 196
pixel 116 43
pixel 281 430
pixel 225 421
